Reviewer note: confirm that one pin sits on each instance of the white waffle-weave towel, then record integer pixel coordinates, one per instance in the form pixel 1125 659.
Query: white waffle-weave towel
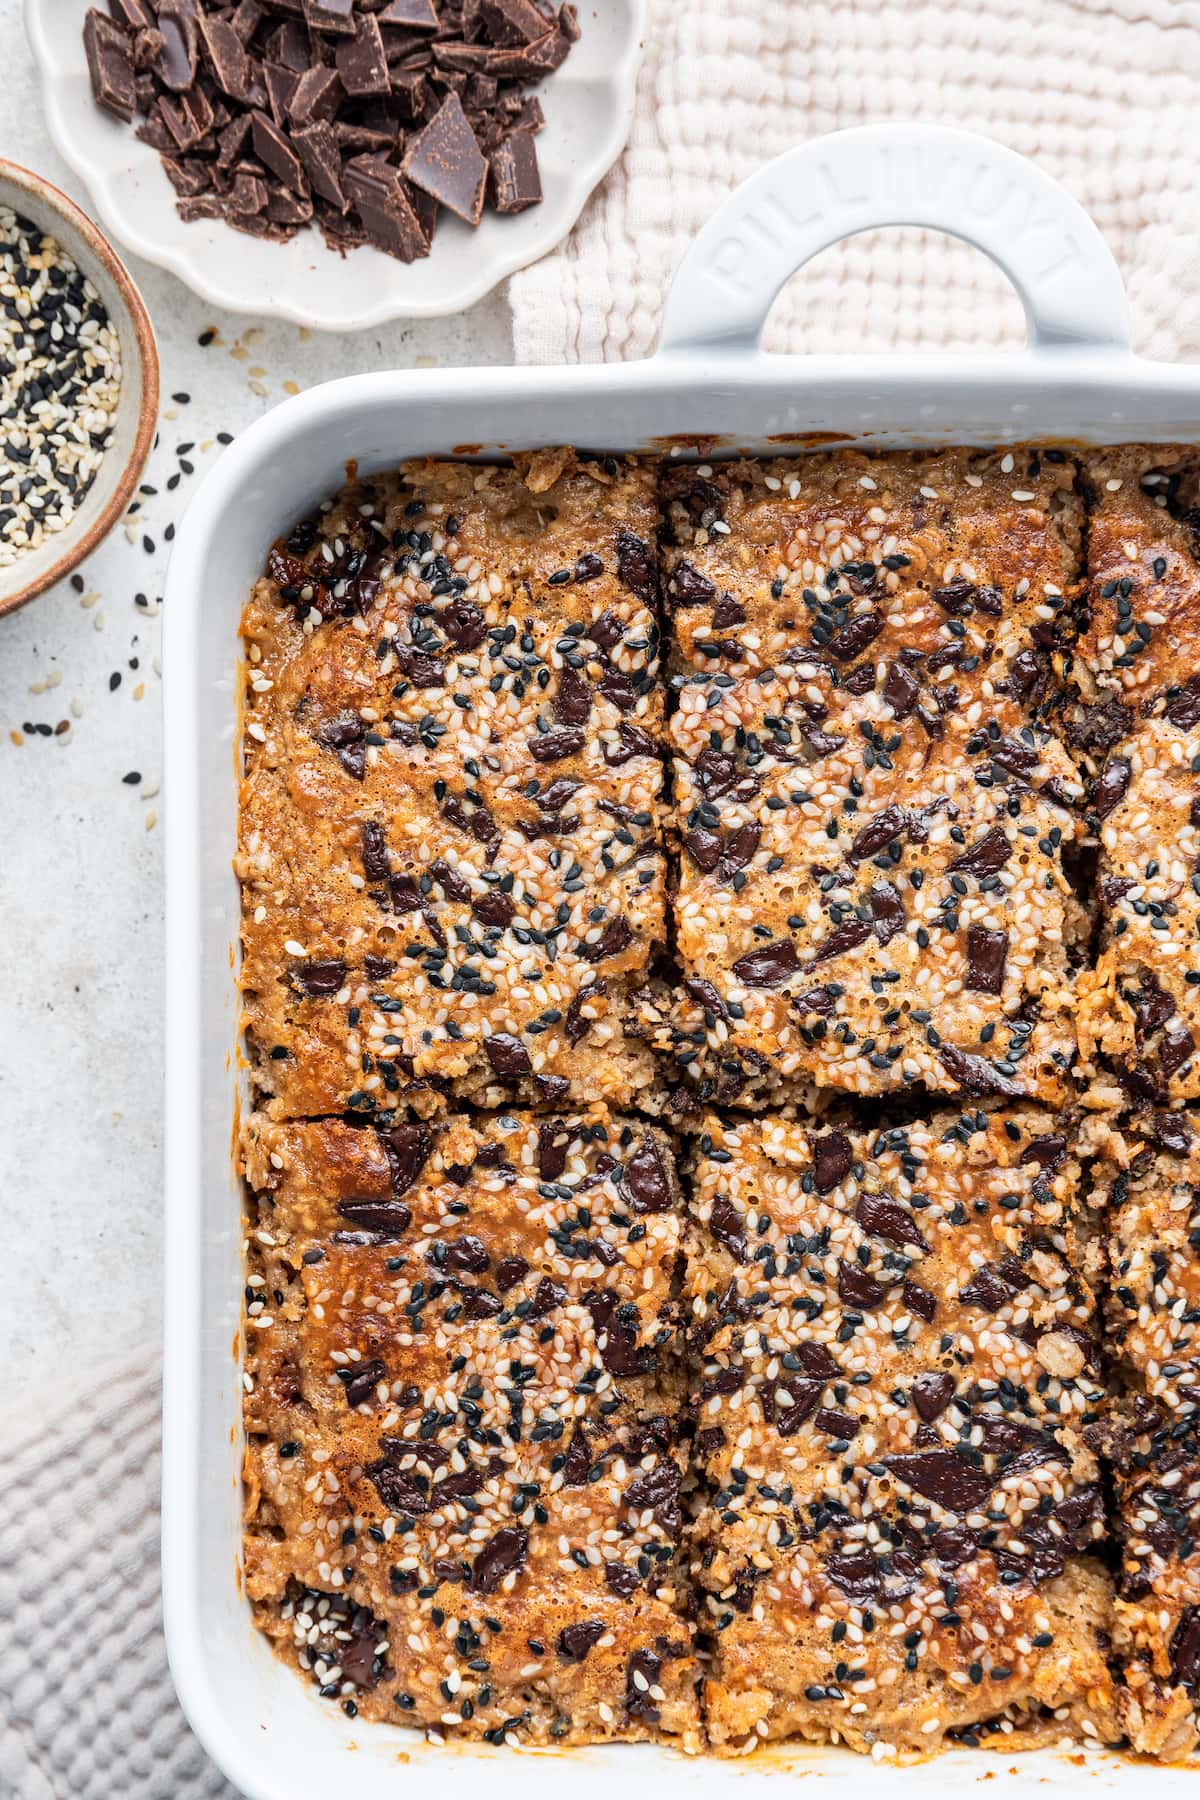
pixel 1104 94
pixel 87 1709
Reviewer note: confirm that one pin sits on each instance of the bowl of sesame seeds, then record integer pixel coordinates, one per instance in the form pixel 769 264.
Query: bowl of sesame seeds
pixel 78 386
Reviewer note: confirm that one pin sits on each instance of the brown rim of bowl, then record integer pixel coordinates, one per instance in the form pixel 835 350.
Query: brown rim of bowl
pixel 55 201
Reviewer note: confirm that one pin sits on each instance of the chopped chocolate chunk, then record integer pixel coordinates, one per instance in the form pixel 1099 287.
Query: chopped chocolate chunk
pixel 974 1074
pixel 853 638
pixel 555 745
pixel 273 148
pixel 987 857
pixel 987 952
pixel 857 1288
pixel 385 1220
pixel 503 1554
pixel 636 568
pixel 932 1394
pixel 110 65
pixel 188 118
pixel 433 99
pixel 616 936
pixel 445 162
pixel 319 979
pixel 769 966
pixel 230 64
pixel 1112 786
pixel 315 96
pixel 888 1219
pixel 407 1148
pixel 944 1477
pixel 360 60
pixel 387 208
pixel 335 16
pixel 646 1182
pixel 516 182
pixel 686 586
pixel 574 1641
pixel 832 1159
pixel 509 22
pixel 727 1226
pixel 508 1055
pixel 317 149
pixel 621 1580
pixel 573 700
pixel 280 84
pixel 176 65
pixel 577 1026
pixel 417 15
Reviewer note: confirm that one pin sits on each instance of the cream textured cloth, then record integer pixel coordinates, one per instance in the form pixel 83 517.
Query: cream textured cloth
pixel 87 1709
pixel 1103 93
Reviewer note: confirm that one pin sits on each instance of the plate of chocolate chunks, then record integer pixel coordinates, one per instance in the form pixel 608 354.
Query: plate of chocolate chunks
pixel 338 163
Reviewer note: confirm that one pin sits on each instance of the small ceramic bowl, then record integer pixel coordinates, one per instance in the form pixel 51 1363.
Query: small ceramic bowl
pixel 137 409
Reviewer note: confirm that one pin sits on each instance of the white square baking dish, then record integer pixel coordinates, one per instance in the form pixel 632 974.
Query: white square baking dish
pixel 709 387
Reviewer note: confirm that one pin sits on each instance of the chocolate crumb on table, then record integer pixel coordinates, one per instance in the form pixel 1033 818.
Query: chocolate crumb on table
pixel 1150 1182
pixel 1136 730
pixel 874 809
pixel 463 1464
pixel 360 118
pixel 895 1364
pixel 453 880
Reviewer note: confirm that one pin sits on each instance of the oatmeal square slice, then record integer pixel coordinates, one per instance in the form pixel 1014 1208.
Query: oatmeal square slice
pixel 875 812
pixel 1136 730
pixel 934 575
pixel 1137 654
pixel 1150 1180
pixel 450 836
pixel 897 1364
pixel 463 1461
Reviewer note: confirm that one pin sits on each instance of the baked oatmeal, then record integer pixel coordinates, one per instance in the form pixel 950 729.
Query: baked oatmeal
pixel 450 823
pixel 839 1432
pixel 875 817
pixel 896 1364
pixel 463 1460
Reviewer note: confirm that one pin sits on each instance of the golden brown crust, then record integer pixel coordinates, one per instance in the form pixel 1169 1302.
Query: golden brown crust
pixel 899 1367
pixel 873 813
pixel 463 1388
pixel 1136 730
pixel 1143 603
pixel 450 843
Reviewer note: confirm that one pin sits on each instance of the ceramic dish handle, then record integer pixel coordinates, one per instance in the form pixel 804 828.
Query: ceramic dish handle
pixel 851 181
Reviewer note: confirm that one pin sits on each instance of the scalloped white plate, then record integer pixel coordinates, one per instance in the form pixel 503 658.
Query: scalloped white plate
pixel 589 108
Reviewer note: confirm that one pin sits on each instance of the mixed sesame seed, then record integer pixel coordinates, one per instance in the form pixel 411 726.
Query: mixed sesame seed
pixel 60 384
